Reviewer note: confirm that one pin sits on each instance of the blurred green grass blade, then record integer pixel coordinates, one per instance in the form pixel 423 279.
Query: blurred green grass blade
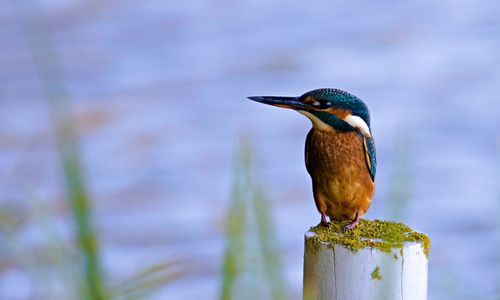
pixel 48 67
pixel 80 206
pixel 252 266
pixel 272 262
pixel 236 225
pixel 147 281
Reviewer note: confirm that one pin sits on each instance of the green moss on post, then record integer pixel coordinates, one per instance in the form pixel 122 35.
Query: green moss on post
pixel 376 274
pixel 376 234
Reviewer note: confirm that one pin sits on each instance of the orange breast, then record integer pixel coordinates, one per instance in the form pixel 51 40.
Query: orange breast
pixel 337 164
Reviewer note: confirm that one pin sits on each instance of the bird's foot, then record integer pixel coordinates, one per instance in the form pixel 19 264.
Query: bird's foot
pixel 351 225
pixel 324 222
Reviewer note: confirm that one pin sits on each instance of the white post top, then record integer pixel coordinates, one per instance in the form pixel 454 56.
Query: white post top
pixel 376 260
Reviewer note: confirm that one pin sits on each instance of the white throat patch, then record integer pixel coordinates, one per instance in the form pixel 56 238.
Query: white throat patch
pixel 354 121
pixel 358 123
pixel 317 123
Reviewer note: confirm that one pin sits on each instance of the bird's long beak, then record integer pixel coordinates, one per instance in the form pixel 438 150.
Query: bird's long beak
pixel 285 102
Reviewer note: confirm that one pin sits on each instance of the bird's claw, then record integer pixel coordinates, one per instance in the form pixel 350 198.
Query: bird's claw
pixel 350 226
pixel 324 224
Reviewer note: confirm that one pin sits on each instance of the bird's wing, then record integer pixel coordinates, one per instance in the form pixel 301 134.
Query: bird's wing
pixel 306 152
pixel 370 156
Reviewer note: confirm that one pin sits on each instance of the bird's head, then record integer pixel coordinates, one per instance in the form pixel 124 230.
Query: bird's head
pixel 327 109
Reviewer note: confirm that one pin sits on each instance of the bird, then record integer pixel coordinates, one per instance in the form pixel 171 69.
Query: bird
pixel 340 153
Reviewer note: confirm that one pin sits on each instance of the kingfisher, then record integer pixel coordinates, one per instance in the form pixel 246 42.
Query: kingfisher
pixel 339 152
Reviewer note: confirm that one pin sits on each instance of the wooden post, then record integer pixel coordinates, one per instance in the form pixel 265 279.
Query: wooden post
pixel 367 263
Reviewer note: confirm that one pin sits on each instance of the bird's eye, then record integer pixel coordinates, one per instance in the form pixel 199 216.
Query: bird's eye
pixel 316 103
pixel 328 103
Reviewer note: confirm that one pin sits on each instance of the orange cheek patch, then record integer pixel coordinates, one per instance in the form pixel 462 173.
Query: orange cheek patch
pixel 340 113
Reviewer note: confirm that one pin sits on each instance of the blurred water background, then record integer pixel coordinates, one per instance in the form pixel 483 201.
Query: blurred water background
pixel 158 93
